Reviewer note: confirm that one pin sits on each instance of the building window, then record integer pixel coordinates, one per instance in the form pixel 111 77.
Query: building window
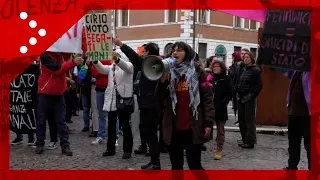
pixel 253 25
pixel 123 19
pixel 202 51
pixel 254 52
pixel 238 22
pixel 221 53
pixel 202 16
pixel 171 16
pixel 237 48
pixel 168 49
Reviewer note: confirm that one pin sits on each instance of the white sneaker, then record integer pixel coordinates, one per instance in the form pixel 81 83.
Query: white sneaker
pixel 52 145
pixel 117 143
pixel 98 140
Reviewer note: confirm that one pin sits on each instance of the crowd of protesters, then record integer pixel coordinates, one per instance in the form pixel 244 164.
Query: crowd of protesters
pixel 183 105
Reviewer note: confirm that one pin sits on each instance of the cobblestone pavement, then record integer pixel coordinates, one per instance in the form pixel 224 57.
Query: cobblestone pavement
pixel 270 153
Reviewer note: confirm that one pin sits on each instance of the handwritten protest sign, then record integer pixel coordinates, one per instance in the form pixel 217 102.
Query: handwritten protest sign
pixel 98 36
pixel 23 101
pixel 71 41
pixel 285 41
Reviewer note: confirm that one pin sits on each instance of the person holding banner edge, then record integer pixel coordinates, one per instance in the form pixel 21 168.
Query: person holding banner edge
pixel 52 85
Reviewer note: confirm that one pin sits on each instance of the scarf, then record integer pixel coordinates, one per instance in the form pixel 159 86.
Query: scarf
pixel 186 68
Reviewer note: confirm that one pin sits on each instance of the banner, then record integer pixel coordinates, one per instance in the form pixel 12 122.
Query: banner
pixel 71 41
pixel 23 101
pixel 98 36
pixel 285 40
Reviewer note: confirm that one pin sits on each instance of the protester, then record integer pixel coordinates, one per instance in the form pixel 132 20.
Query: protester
pixel 143 148
pixel 18 140
pixel 51 87
pixel 88 97
pixel 208 62
pixel 68 97
pixel 53 144
pixel 188 118
pixel 234 73
pixel 120 85
pixel 148 104
pixel 221 85
pixel 74 92
pixel 299 120
pixel 101 86
pixel 248 88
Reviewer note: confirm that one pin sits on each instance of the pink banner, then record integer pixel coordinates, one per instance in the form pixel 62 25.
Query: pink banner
pixel 256 15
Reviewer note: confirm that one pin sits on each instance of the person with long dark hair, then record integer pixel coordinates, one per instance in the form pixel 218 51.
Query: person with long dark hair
pixel 189 112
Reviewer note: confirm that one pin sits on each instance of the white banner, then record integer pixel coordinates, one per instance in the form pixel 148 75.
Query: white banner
pixel 71 41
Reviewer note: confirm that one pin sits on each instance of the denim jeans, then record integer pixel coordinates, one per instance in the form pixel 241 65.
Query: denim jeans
pixel 56 104
pixel 102 132
pixel 117 129
pixel 94 109
pixel 86 110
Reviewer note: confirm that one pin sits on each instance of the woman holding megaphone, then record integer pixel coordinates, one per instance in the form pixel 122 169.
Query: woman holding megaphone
pixel 119 101
pixel 189 112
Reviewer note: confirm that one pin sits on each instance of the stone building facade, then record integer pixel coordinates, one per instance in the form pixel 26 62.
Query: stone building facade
pixel 216 33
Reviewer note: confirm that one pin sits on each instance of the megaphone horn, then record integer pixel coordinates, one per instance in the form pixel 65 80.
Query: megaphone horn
pixel 153 67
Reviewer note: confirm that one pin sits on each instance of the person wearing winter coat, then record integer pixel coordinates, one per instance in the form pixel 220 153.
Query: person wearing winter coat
pixel 120 80
pixel 221 86
pixel 52 85
pixel 248 89
pixel 189 112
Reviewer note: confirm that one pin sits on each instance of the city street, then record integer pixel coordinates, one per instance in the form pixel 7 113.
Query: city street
pixel 269 153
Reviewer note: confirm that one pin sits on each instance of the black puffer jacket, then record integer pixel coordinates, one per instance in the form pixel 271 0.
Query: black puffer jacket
pixel 222 95
pixel 147 99
pixel 250 82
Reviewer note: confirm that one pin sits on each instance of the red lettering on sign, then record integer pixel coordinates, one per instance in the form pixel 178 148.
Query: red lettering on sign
pixel 96 38
pixel 75 32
